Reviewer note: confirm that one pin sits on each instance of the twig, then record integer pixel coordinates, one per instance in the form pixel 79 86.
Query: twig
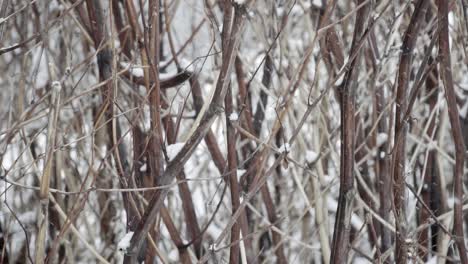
pixel 446 72
pixel 46 175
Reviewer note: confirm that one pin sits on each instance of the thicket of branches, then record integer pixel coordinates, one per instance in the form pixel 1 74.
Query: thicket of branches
pixel 233 131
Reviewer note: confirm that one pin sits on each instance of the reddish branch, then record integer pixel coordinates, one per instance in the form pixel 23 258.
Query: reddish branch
pixel 152 44
pixel 255 167
pixel 244 103
pixel 266 81
pixel 172 229
pixel 341 245
pixel 398 154
pixel 184 191
pixel 213 111
pixel 210 138
pixel 232 175
pixel 215 152
pixel 429 189
pixel 166 83
pixel 106 111
pixel 382 164
pixel 446 73
pixel 150 81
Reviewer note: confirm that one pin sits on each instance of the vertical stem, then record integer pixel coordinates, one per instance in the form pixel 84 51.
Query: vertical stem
pixel 398 156
pixel 232 175
pixel 45 179
pixel 202 128
pixel 340 244
pixel 382 169
pixel 429 189
pixel 446 73
pixel 155 101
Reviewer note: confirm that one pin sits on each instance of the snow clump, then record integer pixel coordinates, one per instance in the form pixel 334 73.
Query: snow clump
pixel 124 243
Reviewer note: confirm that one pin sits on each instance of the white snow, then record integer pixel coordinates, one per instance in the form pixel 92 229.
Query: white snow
pixel 213 247
pixel 451 202
pixel 356 221
pixel 311 156
pixel 432 260
pixel 464 110
pixel 57 86
pixel 327 179
pixel 28 218
pixel 381 139
pixel 297 10
pixel 173 254
pixel 317 3
pixel 167 75
pixel 188 65
pixel 280 11
pixel 174 149
pixel 124 243
pixel 270 112
pixel 285 148
pixel 240 172
pixel 203 177
pixel 409 241
pixel 135 70
pixel 233 116
pixel 382 154
pixel 432 145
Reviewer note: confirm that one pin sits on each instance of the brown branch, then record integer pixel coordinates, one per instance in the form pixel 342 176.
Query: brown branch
pixel 214 109
pixel 232 172
pixel 261 105
pixel 217 156
pixel 210 139
pixel 398 154
pixel 244 103
pixel 125 37
pixel 429 190
pixel 152 43
pixel 446 73
pixel 166 83
pixel 183 252
pixel 341 234
pixel 43 219
pixel 272 218
pixel 184 191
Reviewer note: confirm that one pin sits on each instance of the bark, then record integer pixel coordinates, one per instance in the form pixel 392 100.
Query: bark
pixel 175 166
pixel 341 233
pixel 401 127
pixel 232 176
pixel 446 73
